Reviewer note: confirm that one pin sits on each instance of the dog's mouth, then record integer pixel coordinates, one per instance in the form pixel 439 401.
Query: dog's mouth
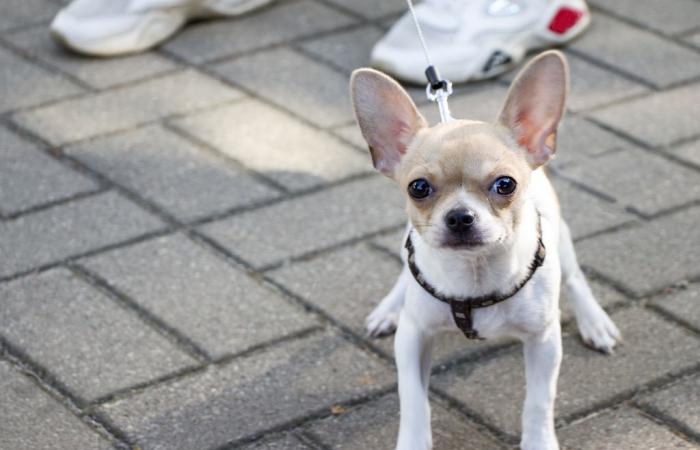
pixel 462 242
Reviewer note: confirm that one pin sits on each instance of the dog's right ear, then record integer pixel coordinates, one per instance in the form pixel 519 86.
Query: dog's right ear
pixel 387 116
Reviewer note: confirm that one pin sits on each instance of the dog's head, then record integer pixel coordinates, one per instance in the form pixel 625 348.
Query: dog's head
pixel 465 181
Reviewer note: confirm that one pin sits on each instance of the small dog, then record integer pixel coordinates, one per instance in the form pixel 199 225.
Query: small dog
pixel 482 213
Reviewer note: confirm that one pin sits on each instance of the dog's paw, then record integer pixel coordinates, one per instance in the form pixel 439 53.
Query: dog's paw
pixel 381 323
pixel 598 331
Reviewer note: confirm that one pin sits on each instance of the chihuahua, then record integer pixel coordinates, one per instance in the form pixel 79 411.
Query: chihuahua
pixel 481 213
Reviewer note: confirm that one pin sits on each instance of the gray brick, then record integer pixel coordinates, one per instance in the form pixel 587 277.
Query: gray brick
pixel 675 16
pixel 220 308
pixel 30 419
pixel 659 119
pixel 351 133
pixel 689 151
pixel 87 341
pixel 658 61
pixel 650 186
pixel 375 425
pixel 310 223
pixel 347 284
pixel 320 94
pixel 278 24
pixel 392 242
pixel 371 9
pixel 683 304
pixel 621 428
pixel 495 388
pixel 125 107
pixel 19 13
pixel 29 177
pixel 347 49
pixel 285 442
pixel 99 73
pixel 250 394
pixel 276 145
pixel 585 213
pixel 190 182
pixel 647 258
pixel 694 39
pixel 24 84
pixel 579 140
pixel 680 401
pixel 59 232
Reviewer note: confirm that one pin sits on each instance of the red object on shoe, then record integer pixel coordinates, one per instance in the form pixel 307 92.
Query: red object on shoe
pixel 564 19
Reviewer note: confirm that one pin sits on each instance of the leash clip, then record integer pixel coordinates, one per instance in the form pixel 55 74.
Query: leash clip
pixel 438 90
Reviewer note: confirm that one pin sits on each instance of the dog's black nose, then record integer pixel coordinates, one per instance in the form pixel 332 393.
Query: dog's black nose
pixel 459 219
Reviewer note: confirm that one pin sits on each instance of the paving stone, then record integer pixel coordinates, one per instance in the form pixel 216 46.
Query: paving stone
pixel 392 242
pixel 585 213
pixel 592 86
pixel 646 258
pixel 276 145
pixel 274 25
pixel 320 93
pixel 99 73
pixel 190 182
pixel 694 39
pixel 651 184
pixel 84 338
pixel 659 119
pixel 674 17
pixel 281 384
pixel 680 401
pixel 683 304
pixel 351 133
pixel 54 234
pixel 19 13
pixel 621 428
pixel 222 309
pixel 286 442
pixel 302 225
pixel 689 151
pixel 348 50
pixel 376 425
pixel 29 177
pixel 125 107
pixel 30 419
pixel 495 388
pixel 371 9
pixel 579 140
pixel 658 61
pixel 24 84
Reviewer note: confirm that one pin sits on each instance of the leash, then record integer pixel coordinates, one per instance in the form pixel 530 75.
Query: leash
pixel 438 89
pixel 462 306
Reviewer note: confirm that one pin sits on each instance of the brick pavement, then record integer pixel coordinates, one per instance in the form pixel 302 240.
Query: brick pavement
pixel 188 254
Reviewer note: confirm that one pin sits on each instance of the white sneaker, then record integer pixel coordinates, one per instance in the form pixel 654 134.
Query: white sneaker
pixel 114 27
pixel 476 39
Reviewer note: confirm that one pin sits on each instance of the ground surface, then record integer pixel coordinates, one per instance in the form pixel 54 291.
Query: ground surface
pixel 191 239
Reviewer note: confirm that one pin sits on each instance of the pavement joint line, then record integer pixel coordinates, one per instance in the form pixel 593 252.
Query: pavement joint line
pixel 310 439
pixel 328 249
pixel 614 69
pixel 642 26
pixel 164 231
pixel 629 395
pixel 30 58
pixel 609 230
pixel 45 381
pixel 664 212
pixel 315 415
pixel 672 424
pixel 204 146
pixel 50 204
pixel 682 322
pixel 582 186
pixel 343 10
pixel 192 370
pixel 166 330
pixel 45 23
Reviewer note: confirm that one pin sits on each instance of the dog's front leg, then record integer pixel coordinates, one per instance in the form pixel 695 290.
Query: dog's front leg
pixel 543 354
pixel 412 347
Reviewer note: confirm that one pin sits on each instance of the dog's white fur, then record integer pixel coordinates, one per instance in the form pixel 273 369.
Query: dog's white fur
pixel 532 315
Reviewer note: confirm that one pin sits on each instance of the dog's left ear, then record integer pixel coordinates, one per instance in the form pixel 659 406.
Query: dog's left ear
pixel 535 105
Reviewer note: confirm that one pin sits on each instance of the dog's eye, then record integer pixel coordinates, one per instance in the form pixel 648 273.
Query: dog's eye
pixel 504 186
pixel 419 188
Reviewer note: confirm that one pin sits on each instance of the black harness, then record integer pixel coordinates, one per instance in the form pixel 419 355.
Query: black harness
pixel 462 306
